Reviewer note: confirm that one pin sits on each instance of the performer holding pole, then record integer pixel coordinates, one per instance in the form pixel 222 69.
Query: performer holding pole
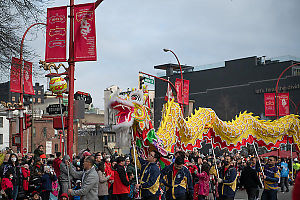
pixel 150 175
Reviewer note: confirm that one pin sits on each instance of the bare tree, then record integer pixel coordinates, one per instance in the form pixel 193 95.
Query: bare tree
pixel 15 17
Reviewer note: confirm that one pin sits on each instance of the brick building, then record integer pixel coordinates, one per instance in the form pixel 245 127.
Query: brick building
pixel 43 133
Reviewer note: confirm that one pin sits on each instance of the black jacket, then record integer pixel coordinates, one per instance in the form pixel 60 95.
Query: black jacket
pixel 249 178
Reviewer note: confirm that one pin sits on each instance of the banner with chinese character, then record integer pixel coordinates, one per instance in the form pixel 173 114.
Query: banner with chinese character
pixel 186 84
pixel 270 104
pixel 56 34
pixel 15 75
pixel 28 86
pixel 283 104
pixel 84 32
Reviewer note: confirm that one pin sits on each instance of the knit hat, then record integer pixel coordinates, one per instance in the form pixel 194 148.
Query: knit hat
pixel 86 154
pixel 64 195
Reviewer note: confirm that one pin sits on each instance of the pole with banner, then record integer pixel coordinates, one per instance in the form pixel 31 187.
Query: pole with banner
pixel 15 75
pixel 283 104
pixel 84 32
pixel 56 34
pixel 269 99
pixel 28 86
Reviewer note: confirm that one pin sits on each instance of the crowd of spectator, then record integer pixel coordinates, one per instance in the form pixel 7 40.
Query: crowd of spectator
pixel 189 176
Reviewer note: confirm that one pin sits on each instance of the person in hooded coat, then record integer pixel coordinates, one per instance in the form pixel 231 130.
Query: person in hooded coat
pixel 64 175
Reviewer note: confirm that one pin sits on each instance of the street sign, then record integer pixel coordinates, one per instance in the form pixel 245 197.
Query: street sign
pixel 55 109
pixel 65 101
pixel 149 80
pixel 24 150
pixel 48 147
pixel 83 96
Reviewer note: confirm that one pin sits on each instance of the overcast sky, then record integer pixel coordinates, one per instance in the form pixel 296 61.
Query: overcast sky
pixel 132 33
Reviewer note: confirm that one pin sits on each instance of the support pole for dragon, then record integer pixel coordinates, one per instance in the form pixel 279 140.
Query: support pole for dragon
pixel 259 163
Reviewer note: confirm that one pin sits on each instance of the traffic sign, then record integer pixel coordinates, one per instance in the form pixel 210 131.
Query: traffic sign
pixel 24 150
pixel 83 96
pixel 55 109
pixel 149 80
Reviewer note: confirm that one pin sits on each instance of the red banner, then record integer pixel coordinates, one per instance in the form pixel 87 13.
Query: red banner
pixel 15 75
pixel 186 85
pixel 283 104
pixel 270 104
pixel 56 36
pixel 84 33
pixel 28 86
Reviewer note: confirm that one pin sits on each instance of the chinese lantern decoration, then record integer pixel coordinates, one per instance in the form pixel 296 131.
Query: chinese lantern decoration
pixel 58 85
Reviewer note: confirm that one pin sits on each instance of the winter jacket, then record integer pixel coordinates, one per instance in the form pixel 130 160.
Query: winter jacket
pixel 249 178
pixel 228 187
pixel 26 176
pixel 178 185
pixel 37 154
pixel 16 172
pixel 150 179
pixel 47 180
pixel 103 185
pixel 203 184
pixel 272 173
pixel 63 177
pixel 121 182
pixel 109 171
pixel 56 166
pixel 89 181
pixel 285 170
pixel 130 168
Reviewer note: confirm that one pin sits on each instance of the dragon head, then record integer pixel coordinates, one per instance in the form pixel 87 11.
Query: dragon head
pixel 131 107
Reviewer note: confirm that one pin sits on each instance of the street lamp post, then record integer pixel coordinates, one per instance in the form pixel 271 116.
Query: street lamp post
pixel 276 91
pixel 168 50
pixel 276 102
pixel 21 109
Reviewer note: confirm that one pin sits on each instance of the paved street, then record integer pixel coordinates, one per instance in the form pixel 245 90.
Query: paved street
pixel 241 194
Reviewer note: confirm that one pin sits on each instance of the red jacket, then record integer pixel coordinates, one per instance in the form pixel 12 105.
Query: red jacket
pixel 7 186
pixel 56 166
pixel 26 175
pixel 108 171
pixel 121 183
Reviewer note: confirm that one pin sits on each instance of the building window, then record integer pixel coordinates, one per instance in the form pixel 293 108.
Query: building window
pixel 105 140
pixel 296 71
pixel 56 147
pixel 109 139
pixel 113 137
pixel 39 100
pixel 1 122
pixel 1 138
pixel 13 98
pixel 33 131
pixel 45 131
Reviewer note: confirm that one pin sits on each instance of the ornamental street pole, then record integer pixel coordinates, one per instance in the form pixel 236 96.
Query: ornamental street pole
pixel 71 70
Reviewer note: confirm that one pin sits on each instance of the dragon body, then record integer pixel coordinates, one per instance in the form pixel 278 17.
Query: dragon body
pixel 188 133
